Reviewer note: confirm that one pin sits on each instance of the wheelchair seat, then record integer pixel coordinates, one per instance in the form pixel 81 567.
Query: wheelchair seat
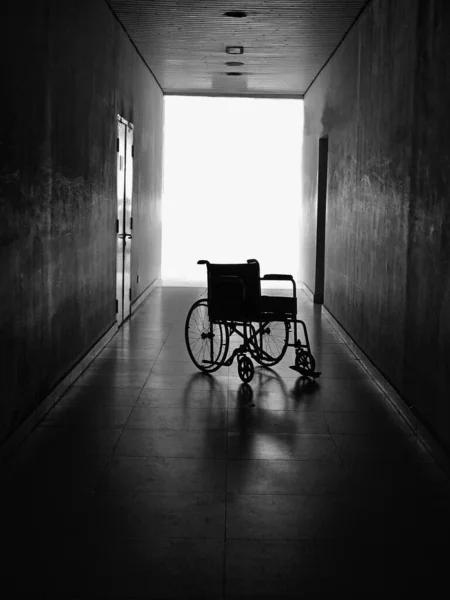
pixel 278 306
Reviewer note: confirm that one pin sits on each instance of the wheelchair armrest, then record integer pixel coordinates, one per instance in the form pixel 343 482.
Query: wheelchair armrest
pixel 252 261
pixel 277 277
pixel 274 277
pixel 203 262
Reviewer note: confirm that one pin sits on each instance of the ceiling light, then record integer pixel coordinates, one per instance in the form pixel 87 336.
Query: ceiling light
pixel 236 14
pixel 233 63
pixel 234 50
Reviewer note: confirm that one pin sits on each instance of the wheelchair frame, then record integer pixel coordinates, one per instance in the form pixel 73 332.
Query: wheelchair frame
pixel 225 322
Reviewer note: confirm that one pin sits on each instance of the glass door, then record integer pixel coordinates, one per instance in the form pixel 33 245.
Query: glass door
pixel 124 221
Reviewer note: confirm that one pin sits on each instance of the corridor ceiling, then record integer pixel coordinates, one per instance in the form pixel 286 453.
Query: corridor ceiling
pixel 285 42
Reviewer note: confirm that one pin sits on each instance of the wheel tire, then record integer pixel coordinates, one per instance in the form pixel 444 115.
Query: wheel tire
pixel 305 362
pixel 246 370
pixel 274 343
pixel 196 329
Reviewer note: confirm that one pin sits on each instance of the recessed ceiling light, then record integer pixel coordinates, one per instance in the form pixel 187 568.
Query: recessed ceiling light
pixel 234 73
pixel 234 50
pixel 233 63
pixel 236 14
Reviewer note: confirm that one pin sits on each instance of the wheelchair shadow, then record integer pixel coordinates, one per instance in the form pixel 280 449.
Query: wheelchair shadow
pixel 204 391
pixel 304 386
pixel 270 381
pixel 245 396
pixel 270 429
pixel 246 417
pixel 270 395
pixel 266 381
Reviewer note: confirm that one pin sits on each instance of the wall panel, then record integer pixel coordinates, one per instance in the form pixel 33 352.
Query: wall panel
pixel 69 69
pixel 383 100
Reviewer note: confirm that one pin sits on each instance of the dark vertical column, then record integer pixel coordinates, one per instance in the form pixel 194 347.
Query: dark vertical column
pixel 321 216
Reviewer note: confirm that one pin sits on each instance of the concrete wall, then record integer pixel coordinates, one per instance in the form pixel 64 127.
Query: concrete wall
pixel 383 101
pixel 68 69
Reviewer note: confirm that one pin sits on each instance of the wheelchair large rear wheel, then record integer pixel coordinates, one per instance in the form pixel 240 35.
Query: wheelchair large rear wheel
pixel 206 342
pixel 268 341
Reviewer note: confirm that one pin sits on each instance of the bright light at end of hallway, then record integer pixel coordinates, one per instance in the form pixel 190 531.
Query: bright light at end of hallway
pixel 232 185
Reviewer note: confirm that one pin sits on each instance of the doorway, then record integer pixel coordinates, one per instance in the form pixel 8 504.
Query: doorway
pixel 124 221
pixel 232 185
pixel 322 182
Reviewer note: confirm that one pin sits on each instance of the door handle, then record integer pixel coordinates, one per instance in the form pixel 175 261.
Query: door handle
pixel 124 235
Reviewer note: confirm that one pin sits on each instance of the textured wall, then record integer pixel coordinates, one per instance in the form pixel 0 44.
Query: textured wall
pixel 69 69
pixel 427 339
pixel 383 100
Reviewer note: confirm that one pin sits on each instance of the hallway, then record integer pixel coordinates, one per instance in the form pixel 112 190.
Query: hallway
pixel 150 480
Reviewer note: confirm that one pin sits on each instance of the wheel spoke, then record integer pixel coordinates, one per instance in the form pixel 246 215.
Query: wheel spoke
pixel 212 348
pixel 270 342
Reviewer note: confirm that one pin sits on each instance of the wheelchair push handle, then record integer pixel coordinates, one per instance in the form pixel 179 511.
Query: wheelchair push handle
pixel 203 262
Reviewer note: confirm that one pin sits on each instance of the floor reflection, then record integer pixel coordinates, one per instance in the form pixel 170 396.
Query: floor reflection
pixel 150 479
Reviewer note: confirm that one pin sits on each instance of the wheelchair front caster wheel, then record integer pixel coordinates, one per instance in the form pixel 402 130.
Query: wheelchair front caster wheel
pixel 305 363
pixel 246 370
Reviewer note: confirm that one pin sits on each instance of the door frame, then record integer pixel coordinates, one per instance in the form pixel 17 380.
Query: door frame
pixel 322 185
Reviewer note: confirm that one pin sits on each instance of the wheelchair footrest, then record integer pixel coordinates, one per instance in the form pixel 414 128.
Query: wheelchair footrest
pixel 305 373
pixel 241 350
pixel 229 362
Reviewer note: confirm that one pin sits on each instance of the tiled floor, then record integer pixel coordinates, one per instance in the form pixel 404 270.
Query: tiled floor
pixel 150 480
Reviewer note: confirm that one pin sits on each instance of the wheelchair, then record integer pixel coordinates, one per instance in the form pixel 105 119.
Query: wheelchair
pixel 265 324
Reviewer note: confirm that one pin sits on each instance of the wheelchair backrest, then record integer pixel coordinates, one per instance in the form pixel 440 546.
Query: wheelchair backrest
pixel 234 292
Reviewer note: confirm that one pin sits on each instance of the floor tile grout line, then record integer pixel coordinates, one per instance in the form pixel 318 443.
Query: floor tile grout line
pixel 137 400
pixel 339 453
pixel 108 462
pixel 224 581
pixel 230 459
pixel 372 378
pixel 362 362
pixel 151 370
